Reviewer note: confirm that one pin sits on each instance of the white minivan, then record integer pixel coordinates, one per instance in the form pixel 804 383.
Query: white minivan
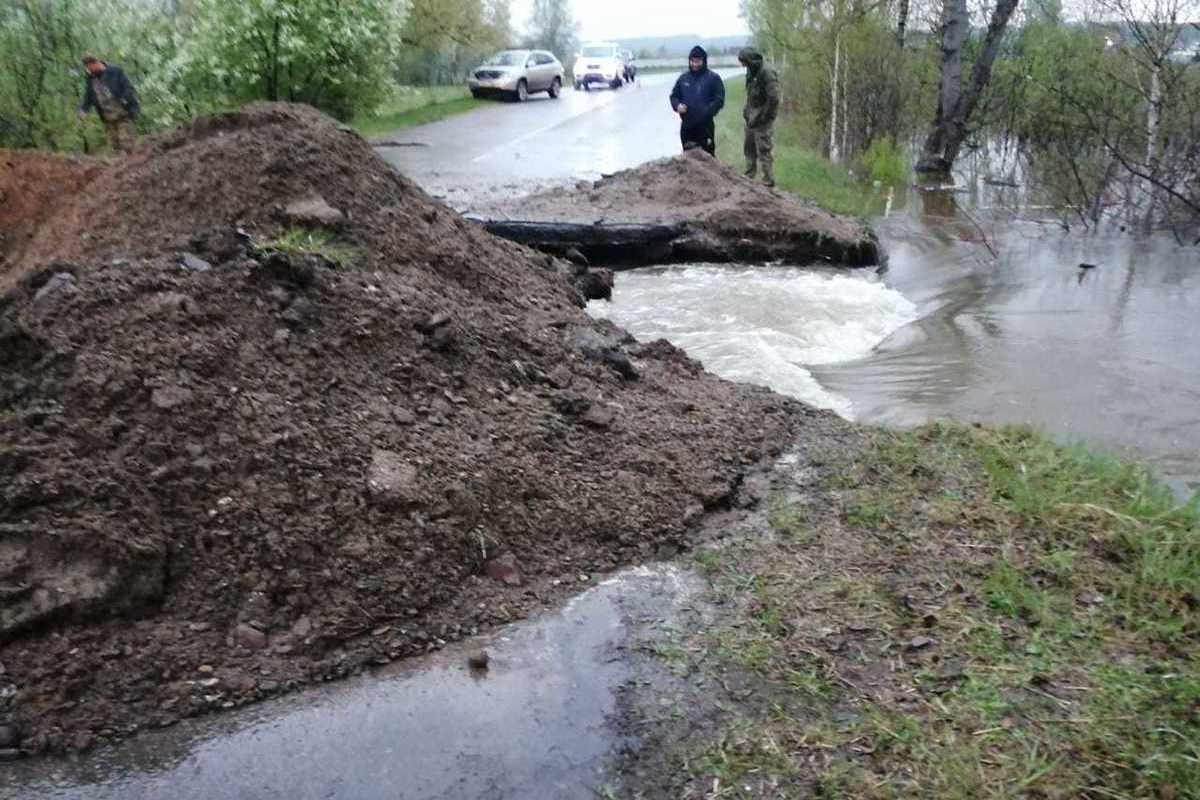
pixel 599 62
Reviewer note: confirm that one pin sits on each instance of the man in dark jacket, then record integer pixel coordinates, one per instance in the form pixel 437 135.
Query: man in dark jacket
pixel 762 106
pixel 112 95
pixel 697 97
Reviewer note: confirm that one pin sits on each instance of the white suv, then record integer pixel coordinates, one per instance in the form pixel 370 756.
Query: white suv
pixel 599 62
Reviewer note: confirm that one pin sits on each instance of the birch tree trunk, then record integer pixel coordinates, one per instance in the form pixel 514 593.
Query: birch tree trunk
pixel 834 155
pixel 956 103
pixel 1153 112
pixel 845 106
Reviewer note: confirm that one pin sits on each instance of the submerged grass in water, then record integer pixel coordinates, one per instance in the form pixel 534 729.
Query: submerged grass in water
pixel 962 613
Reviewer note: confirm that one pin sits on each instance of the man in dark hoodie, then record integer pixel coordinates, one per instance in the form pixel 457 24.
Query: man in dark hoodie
pixel 697 97
pixel 112 95
pixel 762 106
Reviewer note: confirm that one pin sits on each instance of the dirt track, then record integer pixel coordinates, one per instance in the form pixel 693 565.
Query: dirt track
pixel 230 470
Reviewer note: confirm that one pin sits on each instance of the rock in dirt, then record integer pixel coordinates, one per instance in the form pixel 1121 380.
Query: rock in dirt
pixel 599 416
pixel 607 349
pixel 250 637
pixel 441 339
pixel 392 482
pixel 479 660
pixel 336 512
pixel 194 263
pixel 575 257
pixel 170 396
pixel 69 574
pixel 10 735
pixel 313 211
pixel 58 283
pixel 431 324
pixel 595 284
pixel 505 569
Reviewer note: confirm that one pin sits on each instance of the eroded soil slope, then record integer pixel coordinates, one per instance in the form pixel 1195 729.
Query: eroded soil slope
pixel 31 186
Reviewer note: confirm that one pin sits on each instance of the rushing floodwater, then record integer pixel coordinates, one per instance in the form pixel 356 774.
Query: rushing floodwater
pixel 1108 355
pixel 761 325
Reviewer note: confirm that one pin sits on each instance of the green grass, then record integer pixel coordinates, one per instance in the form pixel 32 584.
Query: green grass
pixel 969 613
pixel 416 105
pixel 798 168
pixel 297 239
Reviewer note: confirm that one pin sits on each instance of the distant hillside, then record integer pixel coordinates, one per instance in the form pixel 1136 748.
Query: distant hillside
pixel 678 46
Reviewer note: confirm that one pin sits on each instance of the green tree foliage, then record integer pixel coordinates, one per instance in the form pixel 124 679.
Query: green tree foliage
pixel 553 27
pixel 189 57
pixel 41 43
pixel 847 80
pixel 443 39
pixel 333 54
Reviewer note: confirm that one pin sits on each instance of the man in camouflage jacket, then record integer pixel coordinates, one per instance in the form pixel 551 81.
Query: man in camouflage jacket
pixel 762 106
pixel 110 93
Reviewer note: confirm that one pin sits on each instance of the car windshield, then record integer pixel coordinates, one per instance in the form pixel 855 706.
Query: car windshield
pixel 597 51
pixel 508 58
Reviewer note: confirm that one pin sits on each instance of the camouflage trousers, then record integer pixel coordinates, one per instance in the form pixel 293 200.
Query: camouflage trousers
pixel 120 134
pixel 758 150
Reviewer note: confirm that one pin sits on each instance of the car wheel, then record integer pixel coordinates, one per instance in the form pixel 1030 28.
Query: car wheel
pixel 616 82
pixel 522 91
pixel 578 86
pixel 476 94
pixel 555 87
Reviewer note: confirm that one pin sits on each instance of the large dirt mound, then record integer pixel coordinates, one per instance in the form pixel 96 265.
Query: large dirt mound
pixel 729 216
pixel 230 468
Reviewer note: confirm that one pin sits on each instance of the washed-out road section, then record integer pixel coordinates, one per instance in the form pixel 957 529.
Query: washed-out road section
pixel 505 149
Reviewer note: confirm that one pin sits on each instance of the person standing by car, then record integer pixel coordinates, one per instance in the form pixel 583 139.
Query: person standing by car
pixel 762 106
pixel 112 95
pixel 698 96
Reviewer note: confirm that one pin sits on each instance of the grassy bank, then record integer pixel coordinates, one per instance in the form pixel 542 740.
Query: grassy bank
pixel 416 105
pixel 798 168
pixel 956 613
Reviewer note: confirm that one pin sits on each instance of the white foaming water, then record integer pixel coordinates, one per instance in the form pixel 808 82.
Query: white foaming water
pixel 760 325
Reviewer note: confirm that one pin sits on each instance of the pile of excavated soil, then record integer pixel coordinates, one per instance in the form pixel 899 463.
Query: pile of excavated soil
pixel 229 468
pixel 716 202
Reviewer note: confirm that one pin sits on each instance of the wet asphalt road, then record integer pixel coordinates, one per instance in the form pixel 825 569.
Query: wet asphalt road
pixel 510 147
pixel 543 721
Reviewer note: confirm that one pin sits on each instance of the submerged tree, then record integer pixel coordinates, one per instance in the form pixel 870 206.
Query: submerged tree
pixel 956 102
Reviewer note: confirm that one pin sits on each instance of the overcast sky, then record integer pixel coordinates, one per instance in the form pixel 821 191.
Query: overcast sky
pixel 614 19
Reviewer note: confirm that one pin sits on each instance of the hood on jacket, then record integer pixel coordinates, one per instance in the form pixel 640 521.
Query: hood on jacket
pixel 751 58
pixel 701 53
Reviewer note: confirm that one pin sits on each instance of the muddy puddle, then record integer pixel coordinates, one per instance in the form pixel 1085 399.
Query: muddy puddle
pixel 542 721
